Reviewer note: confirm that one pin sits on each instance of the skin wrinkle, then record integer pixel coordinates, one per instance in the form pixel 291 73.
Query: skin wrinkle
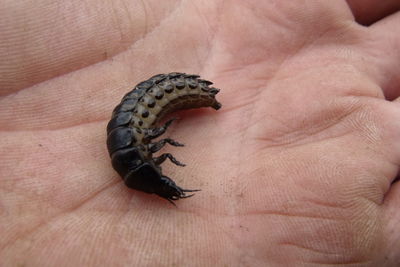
pixel 308 248
pixel 388 81
pixel 47 221
pixel 154 31
pixel 281 65
pixel 31 230
pixel 212 30
pixel 39 123
pixel 314 249
pixel 276 213
pixel 305 217
pixel 271 73
pixel 372 199
pixel 116 16
pixel 297 143
pixel 239 169
pixel 212 39
pixel 350 111
pixel 147 31
pixel 203 217
pixel 56 129
pixel 300 140
pixel 220 31
pixel 288 214
pixel 349 263
pixel 334 62
pixel 146 19
pixel 345 29
pixel 221 229
pixel 240 253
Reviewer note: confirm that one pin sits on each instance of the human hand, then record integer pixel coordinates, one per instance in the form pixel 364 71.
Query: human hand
pixel 295 169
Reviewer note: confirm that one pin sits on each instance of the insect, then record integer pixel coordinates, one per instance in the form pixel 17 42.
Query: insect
pixel 133 126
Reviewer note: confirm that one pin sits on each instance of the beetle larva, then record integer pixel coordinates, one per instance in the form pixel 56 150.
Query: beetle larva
pixel 133 126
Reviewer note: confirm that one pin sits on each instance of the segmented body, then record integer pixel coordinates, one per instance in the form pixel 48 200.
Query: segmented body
pixel 132 127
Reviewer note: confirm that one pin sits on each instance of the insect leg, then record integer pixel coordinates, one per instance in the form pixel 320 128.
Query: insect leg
pixel 156 132
pixel 159 160
pixel 154 147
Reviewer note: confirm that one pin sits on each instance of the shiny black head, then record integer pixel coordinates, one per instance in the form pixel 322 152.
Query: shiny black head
pixel 148 178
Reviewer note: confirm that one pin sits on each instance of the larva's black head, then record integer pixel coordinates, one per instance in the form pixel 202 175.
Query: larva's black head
pixel 148 178
pixel 170 191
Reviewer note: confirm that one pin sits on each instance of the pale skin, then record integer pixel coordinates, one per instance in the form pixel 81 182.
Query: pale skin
pixel 296 169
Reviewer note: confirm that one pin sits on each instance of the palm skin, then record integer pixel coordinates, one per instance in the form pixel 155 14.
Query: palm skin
pixel 296 169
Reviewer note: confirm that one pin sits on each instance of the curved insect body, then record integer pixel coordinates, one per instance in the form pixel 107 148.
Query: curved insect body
pixel 132 128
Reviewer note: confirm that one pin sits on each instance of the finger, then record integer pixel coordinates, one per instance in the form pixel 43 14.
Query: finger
pixel 383 48
pixel 41 41
pixel 367 12
pixel 90 94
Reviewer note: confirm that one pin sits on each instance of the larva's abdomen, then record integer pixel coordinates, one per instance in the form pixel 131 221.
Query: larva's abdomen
pixel 159 95
pixel 132 127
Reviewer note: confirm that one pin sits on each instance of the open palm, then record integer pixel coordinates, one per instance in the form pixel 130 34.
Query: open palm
pixel 296 169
